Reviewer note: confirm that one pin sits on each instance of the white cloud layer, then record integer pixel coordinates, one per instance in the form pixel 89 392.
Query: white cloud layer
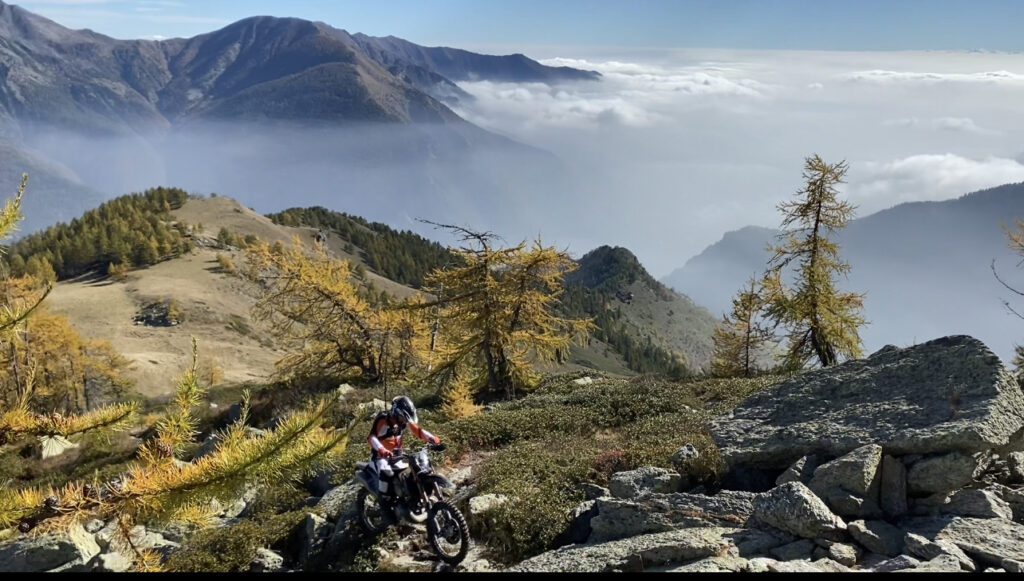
pixel 674 148
pixel 988 77
pixel 930 177
pixel 965 124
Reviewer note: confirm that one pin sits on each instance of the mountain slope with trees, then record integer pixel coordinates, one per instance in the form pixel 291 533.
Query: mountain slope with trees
pixel 652 327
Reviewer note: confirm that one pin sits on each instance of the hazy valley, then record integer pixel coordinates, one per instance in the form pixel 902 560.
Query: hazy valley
pixel 237 249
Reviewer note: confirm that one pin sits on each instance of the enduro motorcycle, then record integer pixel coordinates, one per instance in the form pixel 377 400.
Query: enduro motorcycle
pixel 417 496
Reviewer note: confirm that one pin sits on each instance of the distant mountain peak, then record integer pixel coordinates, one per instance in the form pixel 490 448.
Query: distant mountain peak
pixel 614 266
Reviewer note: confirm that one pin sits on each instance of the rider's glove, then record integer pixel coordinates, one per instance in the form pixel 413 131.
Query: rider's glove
pixel 435 440
pixel 384 453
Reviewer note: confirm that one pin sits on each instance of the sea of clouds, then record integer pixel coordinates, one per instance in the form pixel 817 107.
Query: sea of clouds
pixel 672 148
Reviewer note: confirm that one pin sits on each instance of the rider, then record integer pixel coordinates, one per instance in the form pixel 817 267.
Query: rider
pixel 386 436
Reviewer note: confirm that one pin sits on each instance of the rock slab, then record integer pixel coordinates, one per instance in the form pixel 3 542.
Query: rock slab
pixel 949 394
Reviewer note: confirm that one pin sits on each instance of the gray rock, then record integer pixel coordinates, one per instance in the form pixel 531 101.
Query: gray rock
pixel 944 473
pixel 617 518
pixel 266 561
pixel 111 563
pixel 847 504
pixel 93 526
pixel 645 479
pixel 725 564
pixel 877 536
pixel 592 491
pixel 371 408
pixel 800 471
pixel 176 532
pixel 760 564
pixel 994 570
pixel 942 564
pixel 820 566
pixel 460 476
pixel 844 554
pixel 979 503
pixel 871 560
pixel 949 394
pixel 921 547
pixel 478 505
pixel 339 500
pixel 580 519
pixel 648 551
pixel 855 472
pixel 793 508
pixel 1013 497
pixel 319 482
pixel 987 541
pixel 70 551
pixel 209 445
pixel 893 488
pixel 683 461
pixel 827 565
pixel 900 563
pixel 796 550
pixel 1013 566
pixel 1015 464
pixel 315 533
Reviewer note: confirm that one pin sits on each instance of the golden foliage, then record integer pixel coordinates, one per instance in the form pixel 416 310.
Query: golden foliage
pixel 159 487
pixel 117 270
pixel 823 322
pixel 740 335
pixel 312 298
pixel 497 313
pixel 458 401
pixel 66 370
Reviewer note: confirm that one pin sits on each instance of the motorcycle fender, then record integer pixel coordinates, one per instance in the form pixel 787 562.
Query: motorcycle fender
pixel 363 480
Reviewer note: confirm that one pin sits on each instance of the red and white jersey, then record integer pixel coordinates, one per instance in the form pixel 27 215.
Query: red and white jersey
pixel 387 434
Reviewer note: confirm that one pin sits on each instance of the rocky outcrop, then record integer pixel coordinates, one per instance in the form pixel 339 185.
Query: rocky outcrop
pixel 933 430
pixel 987 541
pixel 648 551
pixel 618 518
pixel 52 552
pixel 946 395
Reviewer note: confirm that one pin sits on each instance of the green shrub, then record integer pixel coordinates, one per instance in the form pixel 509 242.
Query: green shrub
pixel 274 515
pixel 542 480
pixel 502 427
pixel 232 548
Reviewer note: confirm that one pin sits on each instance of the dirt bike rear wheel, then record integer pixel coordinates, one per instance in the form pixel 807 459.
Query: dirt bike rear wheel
pixel 445 527
pixel 372 516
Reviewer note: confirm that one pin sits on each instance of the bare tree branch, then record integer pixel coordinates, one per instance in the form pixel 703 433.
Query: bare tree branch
pixel 1008 287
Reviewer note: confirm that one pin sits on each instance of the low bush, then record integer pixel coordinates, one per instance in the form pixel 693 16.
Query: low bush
pixel 543 481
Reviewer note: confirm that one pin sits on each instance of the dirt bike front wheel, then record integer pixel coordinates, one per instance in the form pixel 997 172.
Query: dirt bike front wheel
pixel 448 532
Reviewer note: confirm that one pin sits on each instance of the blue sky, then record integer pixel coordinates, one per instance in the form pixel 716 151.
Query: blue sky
pixel 754 24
